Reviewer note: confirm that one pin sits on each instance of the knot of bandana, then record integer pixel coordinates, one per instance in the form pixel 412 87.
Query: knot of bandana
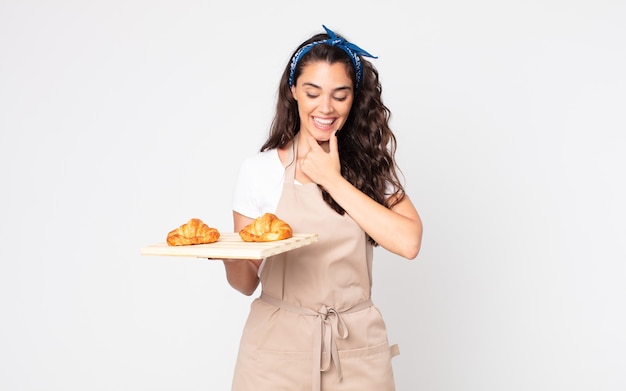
pixel 351 49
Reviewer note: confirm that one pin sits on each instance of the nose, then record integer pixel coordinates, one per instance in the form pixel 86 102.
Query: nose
pixel 326 105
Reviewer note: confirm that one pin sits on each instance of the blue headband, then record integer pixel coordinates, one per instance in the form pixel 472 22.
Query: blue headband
pixel 351 49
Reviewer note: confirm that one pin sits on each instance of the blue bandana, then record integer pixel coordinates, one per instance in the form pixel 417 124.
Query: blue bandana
pixel 351 49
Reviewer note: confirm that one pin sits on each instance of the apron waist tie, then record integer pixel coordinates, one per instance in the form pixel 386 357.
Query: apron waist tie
pixel 330 326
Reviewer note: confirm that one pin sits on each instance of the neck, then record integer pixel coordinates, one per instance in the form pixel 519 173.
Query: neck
pixel 304 147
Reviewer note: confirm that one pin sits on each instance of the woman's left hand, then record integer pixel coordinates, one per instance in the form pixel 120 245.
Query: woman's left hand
pixel 321 166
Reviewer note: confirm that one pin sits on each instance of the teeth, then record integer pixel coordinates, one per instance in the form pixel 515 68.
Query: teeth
pixel 323 121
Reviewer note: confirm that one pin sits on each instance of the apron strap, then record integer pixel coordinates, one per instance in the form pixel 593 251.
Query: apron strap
pixel 394 350
pixel 330 326
pixel 292 156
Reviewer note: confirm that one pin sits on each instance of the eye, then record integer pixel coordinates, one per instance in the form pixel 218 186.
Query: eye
pixel 340 98
pixel 309 95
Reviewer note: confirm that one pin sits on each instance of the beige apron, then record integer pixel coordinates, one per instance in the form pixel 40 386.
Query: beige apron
pixel 314 326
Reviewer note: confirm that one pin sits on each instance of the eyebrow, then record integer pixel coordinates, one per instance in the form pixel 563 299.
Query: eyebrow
pixel 335 90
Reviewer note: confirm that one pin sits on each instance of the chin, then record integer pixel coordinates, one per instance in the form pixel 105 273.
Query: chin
pixel 324 137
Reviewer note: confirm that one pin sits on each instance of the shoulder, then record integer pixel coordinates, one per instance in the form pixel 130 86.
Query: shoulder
pixel 262 162
pixel 261 171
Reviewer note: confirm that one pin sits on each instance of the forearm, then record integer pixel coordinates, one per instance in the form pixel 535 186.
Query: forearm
pixel 242 274
pixel 398 230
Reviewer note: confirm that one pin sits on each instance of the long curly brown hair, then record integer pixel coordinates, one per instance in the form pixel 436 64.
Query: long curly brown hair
pixel 367 146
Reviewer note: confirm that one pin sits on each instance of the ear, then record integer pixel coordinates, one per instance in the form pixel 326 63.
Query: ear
pixel 293 93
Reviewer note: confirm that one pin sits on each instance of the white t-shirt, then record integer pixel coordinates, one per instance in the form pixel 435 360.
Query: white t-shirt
pixel 259 184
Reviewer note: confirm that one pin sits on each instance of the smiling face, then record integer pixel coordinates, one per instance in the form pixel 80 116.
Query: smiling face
pixel 325 94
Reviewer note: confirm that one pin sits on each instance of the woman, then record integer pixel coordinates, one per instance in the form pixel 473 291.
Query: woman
pixel 327 167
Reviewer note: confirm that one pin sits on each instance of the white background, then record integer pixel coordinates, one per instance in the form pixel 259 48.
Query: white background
pixel 120 120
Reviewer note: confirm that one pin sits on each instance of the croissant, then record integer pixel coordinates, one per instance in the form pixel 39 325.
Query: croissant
pixel 195 231
pixel 266 228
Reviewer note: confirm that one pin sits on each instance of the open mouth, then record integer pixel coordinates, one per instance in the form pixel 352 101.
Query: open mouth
pixel 324 122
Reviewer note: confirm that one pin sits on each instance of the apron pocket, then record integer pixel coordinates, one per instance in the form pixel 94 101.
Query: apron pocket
pixel 363 369
pixel 270 370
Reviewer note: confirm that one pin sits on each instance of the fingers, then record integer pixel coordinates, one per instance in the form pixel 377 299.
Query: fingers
pixel 332 145
pixel 318 164
pixel 313 144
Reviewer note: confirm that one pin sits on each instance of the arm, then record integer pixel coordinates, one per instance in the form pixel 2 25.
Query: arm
pixel 242 273
pixel 398 229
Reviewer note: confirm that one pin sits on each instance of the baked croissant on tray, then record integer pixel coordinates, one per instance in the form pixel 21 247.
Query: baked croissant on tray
pixel 195 231
pixel 266 228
